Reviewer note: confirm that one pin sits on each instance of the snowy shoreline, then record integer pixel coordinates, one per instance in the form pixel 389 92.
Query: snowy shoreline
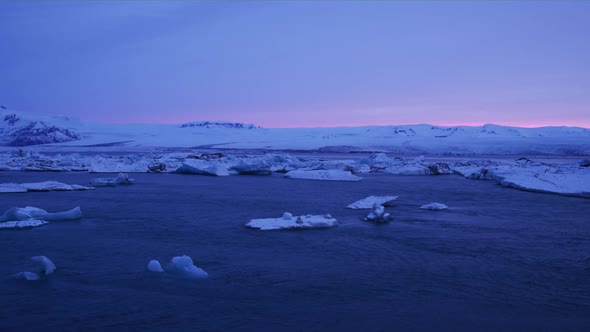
pixel 566 178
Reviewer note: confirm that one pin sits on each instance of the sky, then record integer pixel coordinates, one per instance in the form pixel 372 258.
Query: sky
pixel 299 63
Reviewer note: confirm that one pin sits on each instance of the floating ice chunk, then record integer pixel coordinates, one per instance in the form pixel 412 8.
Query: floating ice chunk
pixel 46 267
pixel 46 264
pixel 369 202
pixel 73 214
pixel 12 188
pixel 40 186
pixel 378 214
pixel 21 224
pixel 25 276
pixel 329 175
pixel 183 266
pixel 122 178
pixel 30 212
pixel 255 167
pixel 434 206
pixel 288 221
pixel 155 266
pixel 201 167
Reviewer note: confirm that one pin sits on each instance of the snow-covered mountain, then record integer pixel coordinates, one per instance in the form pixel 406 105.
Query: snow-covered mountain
pixel 218 124
pixel 19 129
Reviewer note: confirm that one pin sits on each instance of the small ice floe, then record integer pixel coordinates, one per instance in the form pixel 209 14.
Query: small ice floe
pixel 202 167
pixel 46 267
pixel 40 186
pixel 288 221
pixel 257 167
pixel 369 202
pixel 181 266
pixel 326 175
pixel 155 266
pixel 31 212
pixel 29 217
pixel 121 179
pixel 434 206
pixel 378 215
pixel 22 224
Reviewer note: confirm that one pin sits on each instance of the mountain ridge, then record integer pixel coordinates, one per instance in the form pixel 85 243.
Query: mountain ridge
pixel 25 129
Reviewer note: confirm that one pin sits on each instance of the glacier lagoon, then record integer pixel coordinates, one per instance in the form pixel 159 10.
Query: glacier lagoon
pixel 496 259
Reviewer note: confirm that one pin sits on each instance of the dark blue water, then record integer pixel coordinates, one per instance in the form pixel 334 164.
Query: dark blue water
pixel 498 260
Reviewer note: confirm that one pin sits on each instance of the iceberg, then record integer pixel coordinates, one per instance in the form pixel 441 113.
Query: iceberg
pixel 326 175
pixel 434 206
pixel 121 179
pixel 25 276
pixel 378 215
pixel 46 264
pixel 46 267
pixel 288 221
pixel 40 186
pixel 30 212
pixel 201 167
pixel 184 266
pixel 155 266
pixel 369 202
pixel 525 174
pixel 252 168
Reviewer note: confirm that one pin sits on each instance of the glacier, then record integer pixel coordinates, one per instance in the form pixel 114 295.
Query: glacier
pixel 26 129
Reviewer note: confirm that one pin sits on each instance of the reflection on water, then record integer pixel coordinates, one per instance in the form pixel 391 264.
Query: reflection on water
pixel 498 259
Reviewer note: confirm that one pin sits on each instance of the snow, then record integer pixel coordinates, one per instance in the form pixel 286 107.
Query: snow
pixel 378 215
pixel 40 186
pixel 288 221
pixel 369 202
pixel 21 128
pixel 325 175
pixel 121 179
pixel 155 266
pixel 561 178
pixel 434 206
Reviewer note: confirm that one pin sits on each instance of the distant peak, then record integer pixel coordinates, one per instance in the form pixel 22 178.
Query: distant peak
pixel 218 124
